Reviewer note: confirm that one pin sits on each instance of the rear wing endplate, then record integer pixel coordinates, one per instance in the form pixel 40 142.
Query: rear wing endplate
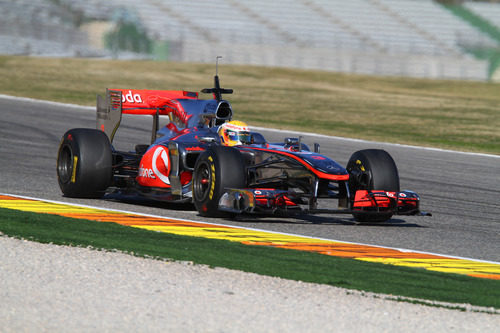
pixel 109 112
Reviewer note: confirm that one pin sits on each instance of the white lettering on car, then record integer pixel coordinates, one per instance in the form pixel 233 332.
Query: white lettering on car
pixel 146 173
pixel 131 98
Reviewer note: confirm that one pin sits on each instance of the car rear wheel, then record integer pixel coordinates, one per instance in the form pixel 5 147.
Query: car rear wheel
pixel 84 163
pixel 215 170
pixel 372 169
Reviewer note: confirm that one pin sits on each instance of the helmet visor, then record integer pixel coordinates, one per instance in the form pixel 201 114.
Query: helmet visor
pixel 242 137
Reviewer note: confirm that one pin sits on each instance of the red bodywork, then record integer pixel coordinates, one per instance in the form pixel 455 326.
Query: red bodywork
pixel 154 168
pixel 152 102
pixel 145 102
pixel 382 200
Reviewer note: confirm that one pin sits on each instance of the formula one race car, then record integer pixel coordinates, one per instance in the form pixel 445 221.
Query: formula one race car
pixel 202 156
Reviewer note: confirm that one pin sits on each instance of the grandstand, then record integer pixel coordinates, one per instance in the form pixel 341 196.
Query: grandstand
pixel 38 28
pixel 421 38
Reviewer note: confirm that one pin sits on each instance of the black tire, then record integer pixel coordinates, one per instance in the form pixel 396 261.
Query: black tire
pixel 215 170
pixel 84 163
pixel 372 169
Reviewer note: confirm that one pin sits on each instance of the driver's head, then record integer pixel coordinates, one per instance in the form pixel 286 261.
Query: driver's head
pixel 234 133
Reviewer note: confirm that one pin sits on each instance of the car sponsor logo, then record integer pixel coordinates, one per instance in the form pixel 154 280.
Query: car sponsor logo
pixel 146 173
pixel 160 162
pixel 131 97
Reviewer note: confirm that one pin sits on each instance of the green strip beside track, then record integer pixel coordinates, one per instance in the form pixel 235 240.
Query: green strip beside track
pixel 288 264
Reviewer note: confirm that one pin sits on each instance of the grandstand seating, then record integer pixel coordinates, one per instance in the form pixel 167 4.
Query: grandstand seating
pixel 486 10
pixel 392 26
pixel 428 16
pixel 312 31
pixel 287 22
pixel 39 27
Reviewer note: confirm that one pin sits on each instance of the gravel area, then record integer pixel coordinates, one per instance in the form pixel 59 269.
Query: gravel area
pixel 49 288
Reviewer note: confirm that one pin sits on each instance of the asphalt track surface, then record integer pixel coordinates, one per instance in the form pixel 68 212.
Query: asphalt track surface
pixel 461 190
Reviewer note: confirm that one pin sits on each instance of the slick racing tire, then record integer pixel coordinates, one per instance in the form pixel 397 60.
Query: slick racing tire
pixel 218 168
pixel 84 163
pixel 372 169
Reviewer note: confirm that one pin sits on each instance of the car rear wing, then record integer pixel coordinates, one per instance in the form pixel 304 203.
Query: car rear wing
pixel 183 108
pixel 140 102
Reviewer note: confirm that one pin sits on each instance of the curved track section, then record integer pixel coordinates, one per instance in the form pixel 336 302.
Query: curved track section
pixel 461 190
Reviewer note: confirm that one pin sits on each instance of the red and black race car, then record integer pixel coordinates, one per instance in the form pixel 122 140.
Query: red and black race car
pixel 188 162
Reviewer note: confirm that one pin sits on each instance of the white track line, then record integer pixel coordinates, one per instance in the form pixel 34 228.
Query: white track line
pixel 41 101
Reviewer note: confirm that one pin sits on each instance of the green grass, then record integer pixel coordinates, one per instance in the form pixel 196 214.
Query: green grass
pixel 459 115
pixel 288 264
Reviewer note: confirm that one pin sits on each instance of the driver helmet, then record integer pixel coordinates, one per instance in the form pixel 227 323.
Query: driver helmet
pixel 234 133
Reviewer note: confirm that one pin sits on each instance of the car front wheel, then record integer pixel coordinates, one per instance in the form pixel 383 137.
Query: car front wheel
pixel 216 169
pixel 372 169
